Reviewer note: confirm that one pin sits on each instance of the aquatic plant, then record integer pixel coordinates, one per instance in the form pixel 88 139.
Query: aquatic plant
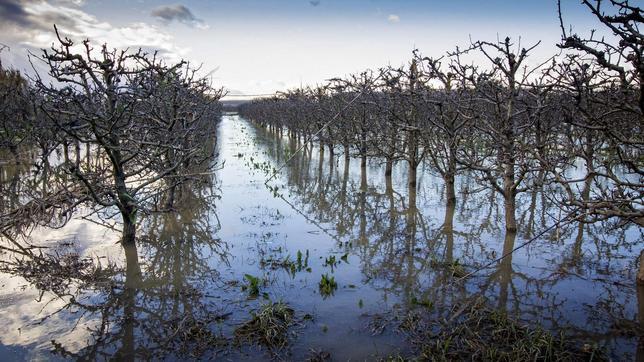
pixel 330 261
pixel 327 285
pixel 253 285
pixel 302 264
pixel 268 326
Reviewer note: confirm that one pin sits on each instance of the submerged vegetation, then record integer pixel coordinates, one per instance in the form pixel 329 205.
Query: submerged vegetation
pixel 507 226
pixel 482 334
pixel 327 285
pixel 252 285
pixel 268 326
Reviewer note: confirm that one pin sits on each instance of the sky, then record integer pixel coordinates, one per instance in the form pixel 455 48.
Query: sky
pixel 258 47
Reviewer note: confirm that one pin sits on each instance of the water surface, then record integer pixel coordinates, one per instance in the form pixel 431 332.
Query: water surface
pixel 180 294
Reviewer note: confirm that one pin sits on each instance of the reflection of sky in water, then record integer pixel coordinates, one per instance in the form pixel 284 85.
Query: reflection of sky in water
pixel 555 280
pixel 22 307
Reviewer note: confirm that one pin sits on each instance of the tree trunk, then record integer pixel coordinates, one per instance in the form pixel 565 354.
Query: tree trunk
pixel 412 195
pixel 451 175
pixel 66 152
pixel 362 213
pixel 448 231
pixel 345 180
pixel 363 201
pixel 363 173
pixel 14 152
pixel 413 160
pixel 640 273
pixel 389 187
pixel 450 191
pixel 320 167
pixel 88 157
pixel 509 203
pixel 509 194
pixel 45 176
pixel 77 151
pixel 129 227
pixel 413 169
pixel 389 165
pixel 170 200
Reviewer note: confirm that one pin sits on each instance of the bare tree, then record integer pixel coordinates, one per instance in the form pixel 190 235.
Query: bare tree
pixel 503 113
pixel 15 110
pixel 609 102
pixel 185 108
pixel 605 85
pixel 102 98
pixel 445 127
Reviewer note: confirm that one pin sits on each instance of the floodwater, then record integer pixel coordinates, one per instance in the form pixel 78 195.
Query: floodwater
pixel 183 291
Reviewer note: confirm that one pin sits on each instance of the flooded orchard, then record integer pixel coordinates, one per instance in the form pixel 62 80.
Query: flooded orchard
pixel 326 260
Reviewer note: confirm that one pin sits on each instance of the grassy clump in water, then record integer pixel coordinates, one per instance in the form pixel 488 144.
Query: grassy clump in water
pixel 327 285
pixel 268 326
pixel 482 334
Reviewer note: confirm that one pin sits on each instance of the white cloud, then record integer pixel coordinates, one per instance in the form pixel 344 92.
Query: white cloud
pixel 73 2
pixel 32 25
pixel 393 18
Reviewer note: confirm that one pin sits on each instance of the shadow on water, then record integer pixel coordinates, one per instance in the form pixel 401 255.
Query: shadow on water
pixel 234 244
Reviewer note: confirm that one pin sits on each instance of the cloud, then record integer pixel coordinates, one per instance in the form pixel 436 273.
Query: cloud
pixel 393 18
pixel 180 13
pixel 13 12
pixel 30 24
pixel 72 2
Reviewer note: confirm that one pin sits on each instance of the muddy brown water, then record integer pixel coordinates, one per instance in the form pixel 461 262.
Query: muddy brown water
pixel 182 292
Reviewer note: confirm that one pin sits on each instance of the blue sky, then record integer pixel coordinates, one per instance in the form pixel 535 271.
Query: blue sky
pixel 263 46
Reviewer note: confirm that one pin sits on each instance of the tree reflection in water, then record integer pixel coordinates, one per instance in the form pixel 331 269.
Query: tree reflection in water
pixel 162 301
pixel 407 249
pixel 167 298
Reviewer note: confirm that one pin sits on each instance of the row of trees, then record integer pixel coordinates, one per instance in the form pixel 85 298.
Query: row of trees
pixel 131 130
pixel 416 252
pixel 572 124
